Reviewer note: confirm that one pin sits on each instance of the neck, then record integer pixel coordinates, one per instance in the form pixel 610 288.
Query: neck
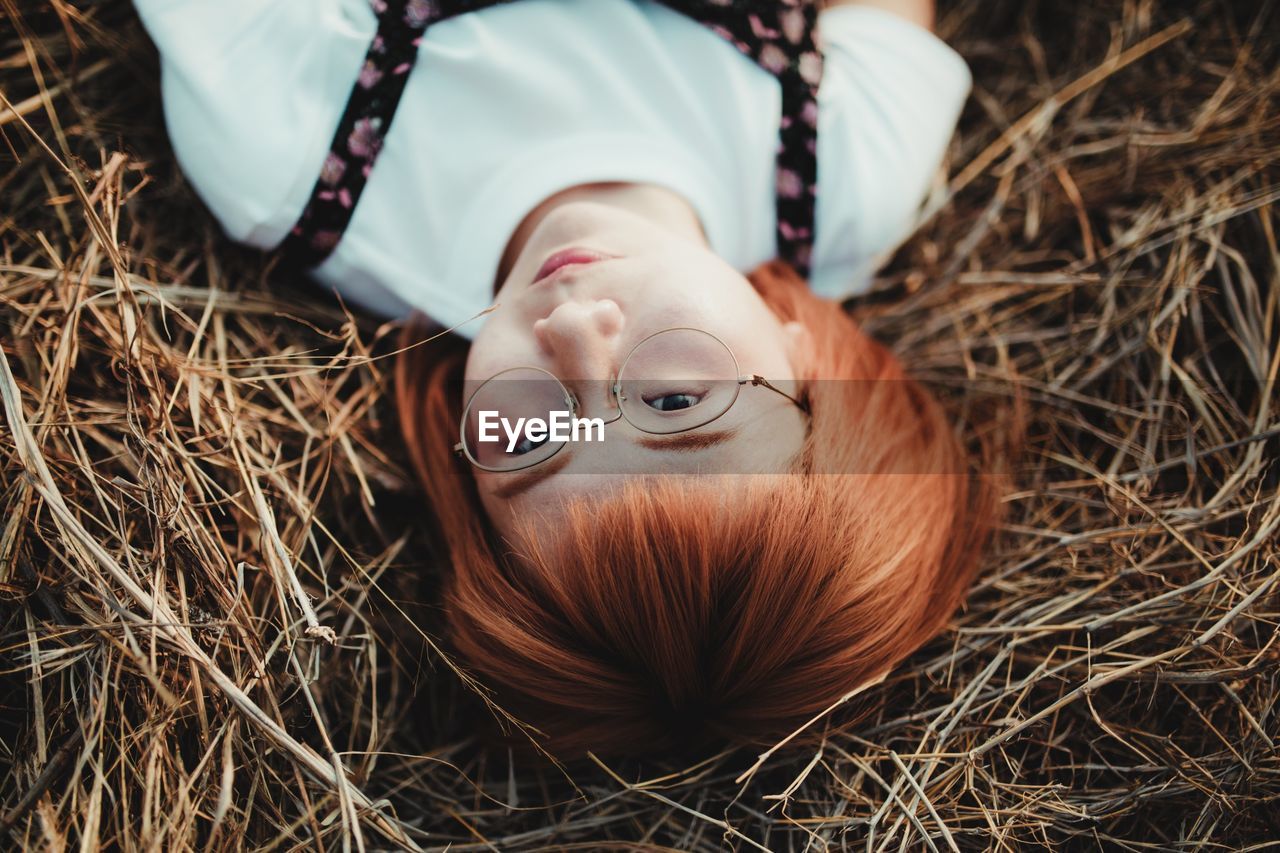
pixel 657 204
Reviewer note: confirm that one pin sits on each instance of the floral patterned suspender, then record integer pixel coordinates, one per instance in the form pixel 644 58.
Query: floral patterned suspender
pixel 777 34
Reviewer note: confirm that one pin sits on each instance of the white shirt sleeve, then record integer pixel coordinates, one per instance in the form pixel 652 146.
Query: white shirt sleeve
pixel 253 90
pixel 890 97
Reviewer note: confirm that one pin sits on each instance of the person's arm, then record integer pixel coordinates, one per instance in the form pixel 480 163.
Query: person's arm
pixel 917 11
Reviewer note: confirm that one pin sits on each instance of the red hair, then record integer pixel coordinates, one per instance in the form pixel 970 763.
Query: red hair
pixel 663 617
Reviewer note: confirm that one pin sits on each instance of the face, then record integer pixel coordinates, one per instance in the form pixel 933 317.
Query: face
pixel 629 278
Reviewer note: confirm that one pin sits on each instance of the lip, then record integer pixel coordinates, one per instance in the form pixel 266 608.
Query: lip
pixel 567 258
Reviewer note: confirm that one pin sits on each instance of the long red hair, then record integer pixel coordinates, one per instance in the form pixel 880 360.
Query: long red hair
pixel 663 617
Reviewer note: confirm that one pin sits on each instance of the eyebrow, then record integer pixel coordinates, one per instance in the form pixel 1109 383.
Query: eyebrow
pixel 535 475
pixel 685 442
pixel 680 442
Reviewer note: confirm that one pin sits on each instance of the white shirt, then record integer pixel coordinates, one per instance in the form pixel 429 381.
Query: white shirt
pixel 510 104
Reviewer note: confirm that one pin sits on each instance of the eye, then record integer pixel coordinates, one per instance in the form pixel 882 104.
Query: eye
pixel 525 445
pixel 673 402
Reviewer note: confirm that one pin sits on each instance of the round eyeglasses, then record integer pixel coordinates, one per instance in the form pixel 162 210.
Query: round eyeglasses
pixel 673 381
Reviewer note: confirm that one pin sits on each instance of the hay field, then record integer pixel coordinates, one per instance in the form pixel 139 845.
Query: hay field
pixel 216 621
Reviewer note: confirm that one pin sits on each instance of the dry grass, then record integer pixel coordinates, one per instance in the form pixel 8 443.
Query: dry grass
pixel 216 605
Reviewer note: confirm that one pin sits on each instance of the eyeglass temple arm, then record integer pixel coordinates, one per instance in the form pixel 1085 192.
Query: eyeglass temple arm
pixel 756 379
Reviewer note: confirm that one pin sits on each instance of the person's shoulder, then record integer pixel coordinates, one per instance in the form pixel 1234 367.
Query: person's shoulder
pixel 252 91
pixel 891 95
pixel 855 29
pixel 205 29
pixel 918 12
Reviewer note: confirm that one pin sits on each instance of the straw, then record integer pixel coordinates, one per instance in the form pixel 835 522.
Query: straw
pixel 219 613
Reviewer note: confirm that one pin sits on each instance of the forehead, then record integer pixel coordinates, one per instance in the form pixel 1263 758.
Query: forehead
pixel 546 513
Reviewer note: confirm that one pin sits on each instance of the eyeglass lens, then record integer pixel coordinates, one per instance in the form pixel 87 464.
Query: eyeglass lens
pixel 514 396
pixel 674 381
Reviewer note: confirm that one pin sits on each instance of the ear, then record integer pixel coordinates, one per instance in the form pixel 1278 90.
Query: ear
pixel 800 348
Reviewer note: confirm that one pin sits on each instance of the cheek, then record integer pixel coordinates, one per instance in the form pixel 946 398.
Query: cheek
pixel 494 508
pixel 694 296
pixel 760 342
pixel 495 348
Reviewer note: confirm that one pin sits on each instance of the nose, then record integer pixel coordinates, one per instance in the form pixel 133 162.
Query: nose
pixel 581 337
